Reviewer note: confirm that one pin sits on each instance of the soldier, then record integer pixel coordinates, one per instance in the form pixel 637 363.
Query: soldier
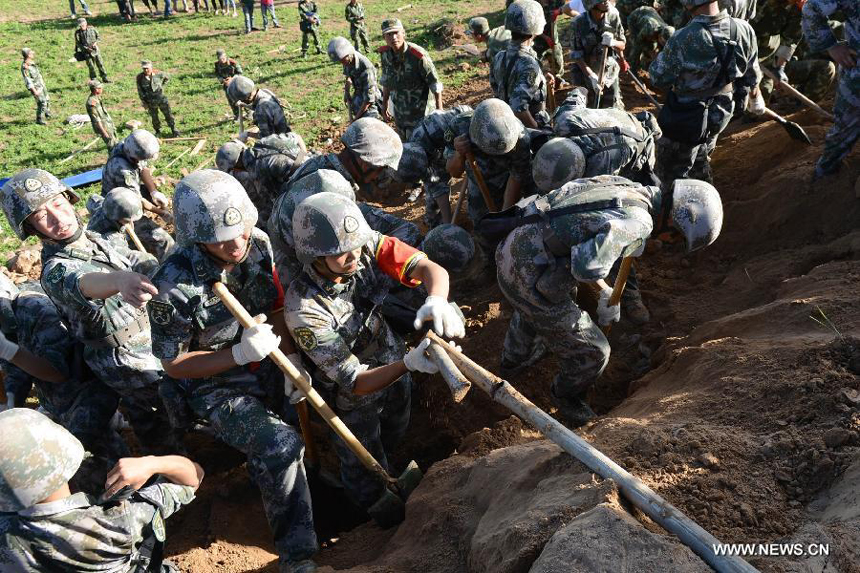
pixel 121 207
pixel 127 167
pixel 705 64
pixel 360 91
pixel 35 85
pixel 233 385
pixel 648 34
pixel 354 14
pixel 846 127
pixel 268 112
pixel 99 117
pixel 45 527
pixel 248 11
pixel 150 89
pixel 598 41
pixel 86 44
pixel 497 39
pixel 516 77
pixel 547 44
pixel 359 363
pixel 225 69
pixel 100 291
pixel 627 7
pixel 309 21
pixel 408 78
pixel 778 31
pixel 576 234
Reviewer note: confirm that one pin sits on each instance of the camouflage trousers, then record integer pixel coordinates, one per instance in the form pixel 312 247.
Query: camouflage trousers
pixel 43 106
pixel 152 109
pixel 846 125
pixel 359 33
pixel 305 34
pixel 611 96
pixel 542 291
pixel 435 188
pixel 157 241
pixel 93 62
pixel 551 58
pixel 275 451
pixel 812 78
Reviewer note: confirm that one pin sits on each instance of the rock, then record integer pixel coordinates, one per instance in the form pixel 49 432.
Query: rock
pixel 24 261
pixel 709 460
pixel 835 437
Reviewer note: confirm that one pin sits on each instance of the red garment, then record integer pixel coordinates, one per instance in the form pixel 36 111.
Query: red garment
pixel 394 258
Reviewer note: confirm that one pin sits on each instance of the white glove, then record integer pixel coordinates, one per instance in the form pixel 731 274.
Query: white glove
pixel 8 349
pixel 256 343
pixel 446 322
pixel 605 313
pixel 416 360
pixel 159 199
pixel 294 394
pixel 755 103
pixel 606 39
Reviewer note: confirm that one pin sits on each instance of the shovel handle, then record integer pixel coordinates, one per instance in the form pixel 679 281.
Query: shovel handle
pixel 618 288
pixel 311 456
pixel 134 238
pixel 462 190
pixel 280 359
pixel 482 184
pixel 458 383
pixel 797 94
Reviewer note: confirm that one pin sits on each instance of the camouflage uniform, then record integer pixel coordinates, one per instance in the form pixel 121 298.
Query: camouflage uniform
pixel 587 35
pixel 108 230
pixel 86 43
pixel 743 9
pixel 548 44
pixel 354 14
pixel 516 78
pixel 151 92
pixel 78 533
pixel 308 24
pixel 674 13
pixel 225 71
pixel 411 78
pixel 538 269
pixel 498 40
pixel 689 64
pixel 270 163
pixel 643 24
pixel 100 117
pixel 268 114
pixel 362 74
pixel 627 7
pixel 239 403
pixel 122 171
pixel 33 79
pixel 846 127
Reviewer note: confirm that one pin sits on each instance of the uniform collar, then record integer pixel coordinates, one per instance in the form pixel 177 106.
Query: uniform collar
pixel 76 501
pixel 327 285
pixel 708 19
pixel 205 268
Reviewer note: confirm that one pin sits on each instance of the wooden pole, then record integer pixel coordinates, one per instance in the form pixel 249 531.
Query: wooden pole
pixel 129 229
pixel 482 184
pixel 457 383
pixel 81 150
pixel 462 185
pixel 794 92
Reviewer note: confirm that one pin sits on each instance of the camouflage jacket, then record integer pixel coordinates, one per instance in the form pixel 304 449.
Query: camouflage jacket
pixel 151 88
pixel 78 534
pixel 411 77
pixel 516 78
pixel 120 171
pixel 430 133
pixel 308 18
pixel 108 230
pixel 354 14
pixel 270 163
pixel 33 77
pixel 689 64
pixel 743 9
pixel 269 115
pixel 818 32
pixel 86 41
pixel 99 115
pixel 228 69
pixel 365 89
pixel 587 36
pixel 644 25
pixel 778 31
pixel 498 40
pixel 627 7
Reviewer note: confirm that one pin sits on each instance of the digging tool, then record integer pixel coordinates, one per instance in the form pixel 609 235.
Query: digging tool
pixel 197 148
pixel 794 131
pixel 642 87
pixel 134 238
pixel 460 198
pixel 81 150
pixel 390 509
pixel 550 97
pixel 601 76
pixel 794 92
pixel 174 160
pixel 618 287
pixel 482 184
pixel 179 139
pixel 458 383
pixel 653 505
pixel 240 105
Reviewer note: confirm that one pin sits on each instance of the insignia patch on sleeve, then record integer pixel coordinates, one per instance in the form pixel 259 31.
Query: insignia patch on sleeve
pixel 56 274
pixel 160 312
pixel 305 338
pixel 158 528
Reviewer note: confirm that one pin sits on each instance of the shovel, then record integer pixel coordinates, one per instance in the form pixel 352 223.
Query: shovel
pixel 601 77
pixel 129 229
pixel 797 95
pixel 794 131
pixel 390 508
pixel 482 184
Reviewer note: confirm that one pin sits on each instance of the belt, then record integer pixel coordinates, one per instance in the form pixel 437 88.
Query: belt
pixel 120 337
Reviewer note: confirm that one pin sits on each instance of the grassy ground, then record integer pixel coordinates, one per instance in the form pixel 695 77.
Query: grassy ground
pixel 184 46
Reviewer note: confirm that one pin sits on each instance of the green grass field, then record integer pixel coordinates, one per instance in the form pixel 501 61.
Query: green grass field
pixel 184 46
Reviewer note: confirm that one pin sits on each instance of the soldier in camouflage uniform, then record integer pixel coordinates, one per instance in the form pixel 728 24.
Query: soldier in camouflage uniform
pixel 846 127
pixel 86 43
pixel 333 313
pixel 45 527
pixel 268 112
pixel 120 207
pixel 497 39
pixel 150 89
pixel 713 60
pixel 547 45
pixel 596 32
pixel 309 21
pixel 743 9
pixel 35 85
pixel 230 381
pixel 360 90
pixel 99 117
pixel 225 69
pixel 452 247
pixel 674 13
pixel 100 291
pixel 408 79
pixel 354 14
pixel 648 34
pixel 627 7
pixel 577 234
pixel 127 167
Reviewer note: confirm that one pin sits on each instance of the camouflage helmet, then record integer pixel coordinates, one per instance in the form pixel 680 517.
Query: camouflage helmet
pixel 219 53
pixel 559 160
pixel 450 246
pixel 37 457
pixel 25 52
pixel 525 17
pixel 697 212
pixel 373 142
pixel 122 203
pixel 240 88
pixel 228 155
pixel 8 292
pixel 141 145
pixel 690 4
pixel 210 207
pixel 328 224
pixel 339 48
pixel 413 164
pixel 27 191
pixel 321 181
pixel 479 25
pixel 494 127
pixel 590 4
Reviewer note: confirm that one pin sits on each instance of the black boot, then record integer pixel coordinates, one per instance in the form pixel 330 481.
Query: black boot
pixel 574 411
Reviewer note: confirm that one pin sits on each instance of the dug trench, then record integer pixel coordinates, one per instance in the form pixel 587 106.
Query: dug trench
pixel 739 403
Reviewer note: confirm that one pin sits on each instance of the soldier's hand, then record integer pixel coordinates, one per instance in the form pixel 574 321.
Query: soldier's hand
pixel 8 349
pixel 256 343
pixel 385 115
pixel 160 200
pixel 462 145
pixel 843 55
pixel 607 39
pixel 446 321
pixel 416 360
pixel 136 289
pixel 134 472
pixel 607 314
pixel 550 79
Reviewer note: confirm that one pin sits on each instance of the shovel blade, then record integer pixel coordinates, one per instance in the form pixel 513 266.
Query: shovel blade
pixel 796 132
pixel 389 510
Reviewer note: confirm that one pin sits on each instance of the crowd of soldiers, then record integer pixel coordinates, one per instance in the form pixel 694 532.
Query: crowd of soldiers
pixel 561 198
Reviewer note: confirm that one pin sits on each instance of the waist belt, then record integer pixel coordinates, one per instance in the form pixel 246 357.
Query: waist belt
pixel 120 337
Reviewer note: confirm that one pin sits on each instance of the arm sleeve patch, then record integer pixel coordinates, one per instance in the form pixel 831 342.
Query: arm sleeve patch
pixel 395 258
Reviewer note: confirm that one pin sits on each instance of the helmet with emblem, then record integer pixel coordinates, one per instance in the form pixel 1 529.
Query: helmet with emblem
pixel 450 246
pixel 328 224
pixel 373 142
pixel 558 161
pixel 240 88
pixel 339 48
pixel 141 145
pixel 210 206
pixel 8 292
pixel 413 164
pixel 123 204
pixel 525 17
pixel 228 155
pixel 494 127
pixel 37 458
pixel 697 212
pixel 28 190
